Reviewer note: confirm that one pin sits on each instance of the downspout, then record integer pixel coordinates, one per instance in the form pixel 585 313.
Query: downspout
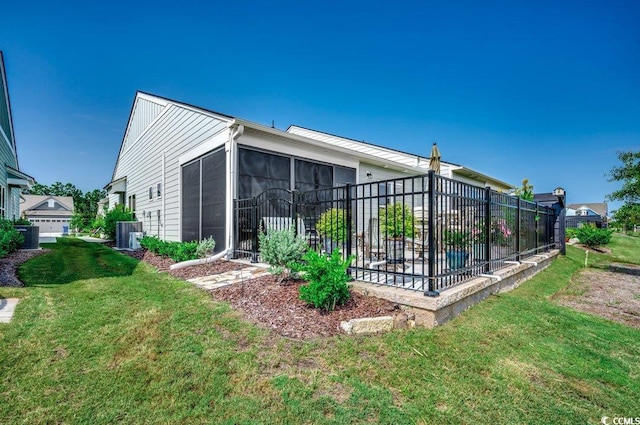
pixel 234 134
pixel 164 197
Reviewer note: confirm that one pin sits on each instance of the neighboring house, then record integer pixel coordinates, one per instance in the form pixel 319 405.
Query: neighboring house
pixel 12 180
pixel 594 209
pixel 557 201
pixel 51 214
pixel 595 213
pixel 181 167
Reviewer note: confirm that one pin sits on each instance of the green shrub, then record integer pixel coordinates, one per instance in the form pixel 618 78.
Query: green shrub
pixel 280 248
pixel 327 276
pixel 396 221
pixel 10 238
pixel 591 236
pixel 119 213
pixel 21 222
pixel 177 251
pixel 571 232
pixel 205 247
pixel 332 224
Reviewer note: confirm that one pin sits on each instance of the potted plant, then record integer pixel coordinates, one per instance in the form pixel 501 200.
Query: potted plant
pixel 457 243
pixel 396 224
pixel 332 226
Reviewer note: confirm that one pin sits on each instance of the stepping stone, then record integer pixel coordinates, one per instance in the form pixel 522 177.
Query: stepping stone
pixel 7 307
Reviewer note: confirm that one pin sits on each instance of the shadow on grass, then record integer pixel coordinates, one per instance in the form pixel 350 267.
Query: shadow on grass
pixel 71 260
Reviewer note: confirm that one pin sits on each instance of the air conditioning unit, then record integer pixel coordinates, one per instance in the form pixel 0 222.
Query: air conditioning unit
pixel 134 240
pixel 123 229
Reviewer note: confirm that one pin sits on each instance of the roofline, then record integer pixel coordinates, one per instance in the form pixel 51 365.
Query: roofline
pixel 6 86
pixel 371 144
pixel 165 99
pixel 314 142
pixel 56 198
pixel 24 175
pixel 474 173
pixel 453 165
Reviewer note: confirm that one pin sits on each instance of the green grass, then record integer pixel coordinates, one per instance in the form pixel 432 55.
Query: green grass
pixel 99 338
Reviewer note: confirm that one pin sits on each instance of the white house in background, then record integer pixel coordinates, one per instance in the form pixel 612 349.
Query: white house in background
pixel 180 167
pixel 51 214
pixel 12 180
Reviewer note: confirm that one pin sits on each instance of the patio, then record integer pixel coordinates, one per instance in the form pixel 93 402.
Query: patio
pixel 423 233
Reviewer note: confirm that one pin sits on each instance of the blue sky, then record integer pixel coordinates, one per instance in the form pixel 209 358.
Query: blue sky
pixel 544 90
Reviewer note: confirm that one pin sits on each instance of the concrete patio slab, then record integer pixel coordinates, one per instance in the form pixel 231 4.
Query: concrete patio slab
pixel 7 307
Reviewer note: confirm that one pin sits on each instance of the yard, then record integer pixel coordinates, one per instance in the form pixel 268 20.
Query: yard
pixel 99 337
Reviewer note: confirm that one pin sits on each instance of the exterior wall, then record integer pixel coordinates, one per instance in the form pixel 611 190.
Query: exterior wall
pixel 288 147
pixel 51 224
pixel 158 148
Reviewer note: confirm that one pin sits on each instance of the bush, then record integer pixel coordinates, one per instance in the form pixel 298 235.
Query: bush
pixel 281 248
pixel 332 224
pixel 593 237
pixel 327 276
pixel 571 232
pixel 177 251
pixel 119 213
pixel 205 247
pixel 10 238
pixel 21 222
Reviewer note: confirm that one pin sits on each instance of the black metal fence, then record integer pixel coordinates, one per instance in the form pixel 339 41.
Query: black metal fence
pixel 579 220
pixel 425 233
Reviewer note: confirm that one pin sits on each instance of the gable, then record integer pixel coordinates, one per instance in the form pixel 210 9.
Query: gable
pixel 145 110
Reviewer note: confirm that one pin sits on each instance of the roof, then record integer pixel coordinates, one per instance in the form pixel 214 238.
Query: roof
pixel 402 160
pixel 394 155
pixel 33 201
pixel 4 88
pixel 547 198
pixel 600 208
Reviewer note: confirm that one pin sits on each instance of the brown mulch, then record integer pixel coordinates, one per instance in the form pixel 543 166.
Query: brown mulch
pixel 10 263
pixel 273 305
pixel 278 307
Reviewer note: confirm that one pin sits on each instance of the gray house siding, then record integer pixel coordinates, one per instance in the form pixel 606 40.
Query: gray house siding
pixel 158 148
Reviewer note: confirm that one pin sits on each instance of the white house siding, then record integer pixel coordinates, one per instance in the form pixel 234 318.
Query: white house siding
pixel 175 132
pixel 144 112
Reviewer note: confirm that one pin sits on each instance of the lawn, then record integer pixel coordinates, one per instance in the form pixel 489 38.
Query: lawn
pixel 100 338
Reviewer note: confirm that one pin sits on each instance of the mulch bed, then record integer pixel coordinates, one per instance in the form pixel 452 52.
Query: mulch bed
pixel 278 307
pixel 272 305
pixel 10 263
pixel 263 301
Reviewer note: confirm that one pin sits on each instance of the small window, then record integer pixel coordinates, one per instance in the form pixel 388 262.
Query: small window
pixel 151 192
pixel 3 201
pixel 159 190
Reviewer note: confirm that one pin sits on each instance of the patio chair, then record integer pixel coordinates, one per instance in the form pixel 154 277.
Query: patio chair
pixel 373 244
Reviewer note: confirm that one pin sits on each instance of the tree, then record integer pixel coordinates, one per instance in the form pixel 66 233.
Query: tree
pixel 627 216
pixel 629 174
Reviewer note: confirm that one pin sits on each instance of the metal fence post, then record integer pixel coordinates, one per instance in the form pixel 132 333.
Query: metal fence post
pixel 487 229
pixel 256 228
pixel 349 223
pixel 518 228
pixel 431 239
pixel 537 219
